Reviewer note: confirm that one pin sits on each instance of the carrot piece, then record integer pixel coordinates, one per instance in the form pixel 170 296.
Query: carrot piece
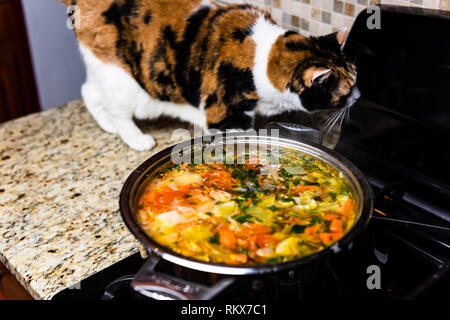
pixel 240 258
pixel 219 179
pixel 310 230
pixel 218 166
pixel 330 216
pixel 253 163
pixel 227 238
pixel 326 238
pixel 336 226
pixel 346 208
pixel 153 196
pixel 255 229
pixel 300 189
pixel 336 236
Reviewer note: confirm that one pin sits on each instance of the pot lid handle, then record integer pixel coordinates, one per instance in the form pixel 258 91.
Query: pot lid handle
pixel 296 132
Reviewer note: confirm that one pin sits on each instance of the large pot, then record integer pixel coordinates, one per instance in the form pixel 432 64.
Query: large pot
pixel 162 286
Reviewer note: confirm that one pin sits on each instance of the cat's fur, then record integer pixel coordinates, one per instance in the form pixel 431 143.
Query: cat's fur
pixel 211 65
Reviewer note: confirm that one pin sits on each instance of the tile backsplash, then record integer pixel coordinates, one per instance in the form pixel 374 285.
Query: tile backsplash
pixel 324 16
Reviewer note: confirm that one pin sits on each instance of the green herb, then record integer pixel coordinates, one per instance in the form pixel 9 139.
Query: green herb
pixel 287 199
pixel 332 195
pixel 283 173
pixel 314 220
pixel 274 260
pixel 295 214
pixel 326 225
pixel 241 218
pixel 215 239
pixel 344 189
pixel 208 213
pixel 187 196
pixel 296 228
pixel 243 250
pixel 245 175
pixel 272 208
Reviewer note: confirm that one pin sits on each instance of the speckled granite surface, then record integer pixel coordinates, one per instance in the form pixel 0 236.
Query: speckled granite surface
pixel 60 179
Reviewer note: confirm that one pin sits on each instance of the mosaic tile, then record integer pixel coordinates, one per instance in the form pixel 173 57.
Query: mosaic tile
pixel 324 16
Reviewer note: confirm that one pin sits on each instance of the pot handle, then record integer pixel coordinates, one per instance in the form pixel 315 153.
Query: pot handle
pixel 296 132
pixel 161 286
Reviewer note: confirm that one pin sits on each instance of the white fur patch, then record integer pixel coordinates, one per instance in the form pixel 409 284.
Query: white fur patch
pixel 353 96
pixel 113 97
pixel 272 100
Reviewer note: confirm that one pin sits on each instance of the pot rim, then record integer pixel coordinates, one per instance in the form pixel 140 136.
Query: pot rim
pixel 137 178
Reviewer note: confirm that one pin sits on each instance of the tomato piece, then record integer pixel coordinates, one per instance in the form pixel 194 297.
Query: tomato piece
pixel 266 240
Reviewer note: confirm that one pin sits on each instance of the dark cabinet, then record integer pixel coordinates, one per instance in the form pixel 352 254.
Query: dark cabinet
pixel 18 94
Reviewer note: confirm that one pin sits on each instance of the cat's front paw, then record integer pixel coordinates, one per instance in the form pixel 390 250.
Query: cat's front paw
pixel 142 142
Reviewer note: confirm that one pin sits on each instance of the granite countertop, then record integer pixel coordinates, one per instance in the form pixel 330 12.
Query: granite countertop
pixel 61 176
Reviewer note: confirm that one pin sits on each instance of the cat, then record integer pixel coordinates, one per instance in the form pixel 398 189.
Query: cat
pixel 211 65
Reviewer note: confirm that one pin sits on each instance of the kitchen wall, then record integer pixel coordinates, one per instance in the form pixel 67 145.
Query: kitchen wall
pixel 324 16
pixel 56 60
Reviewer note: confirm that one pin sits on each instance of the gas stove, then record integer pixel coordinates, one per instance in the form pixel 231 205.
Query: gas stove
pixel 398 135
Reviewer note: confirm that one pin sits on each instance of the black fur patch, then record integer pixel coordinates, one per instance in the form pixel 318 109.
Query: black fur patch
pixel 189 77
pixel 165 77
pixel 241 34
pixel 126 47
pixel 219 13
pixel 170 36
pixel 235 120
pixel 288 33
pixel 315 98
pixel 212 98
pixel 297 45
pixel 147 17
pixel 236 82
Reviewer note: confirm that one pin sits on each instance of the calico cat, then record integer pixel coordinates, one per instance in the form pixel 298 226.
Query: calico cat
pixel 211 65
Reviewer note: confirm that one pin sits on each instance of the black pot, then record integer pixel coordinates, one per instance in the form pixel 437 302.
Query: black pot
pixel 162 286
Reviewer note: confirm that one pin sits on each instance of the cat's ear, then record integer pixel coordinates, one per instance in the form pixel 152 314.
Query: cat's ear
pixel 341 35
pixel 337 38
pixel 316 75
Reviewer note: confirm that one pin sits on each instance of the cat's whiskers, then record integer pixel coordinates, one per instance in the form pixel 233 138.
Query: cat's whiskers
pixel 332 121
pixel 329 123
pixel 347 115
pixel 330 118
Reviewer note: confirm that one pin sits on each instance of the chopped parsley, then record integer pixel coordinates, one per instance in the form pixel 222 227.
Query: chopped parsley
pixel 215 239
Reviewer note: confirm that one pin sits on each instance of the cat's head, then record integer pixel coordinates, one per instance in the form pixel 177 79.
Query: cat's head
pixel 314 69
